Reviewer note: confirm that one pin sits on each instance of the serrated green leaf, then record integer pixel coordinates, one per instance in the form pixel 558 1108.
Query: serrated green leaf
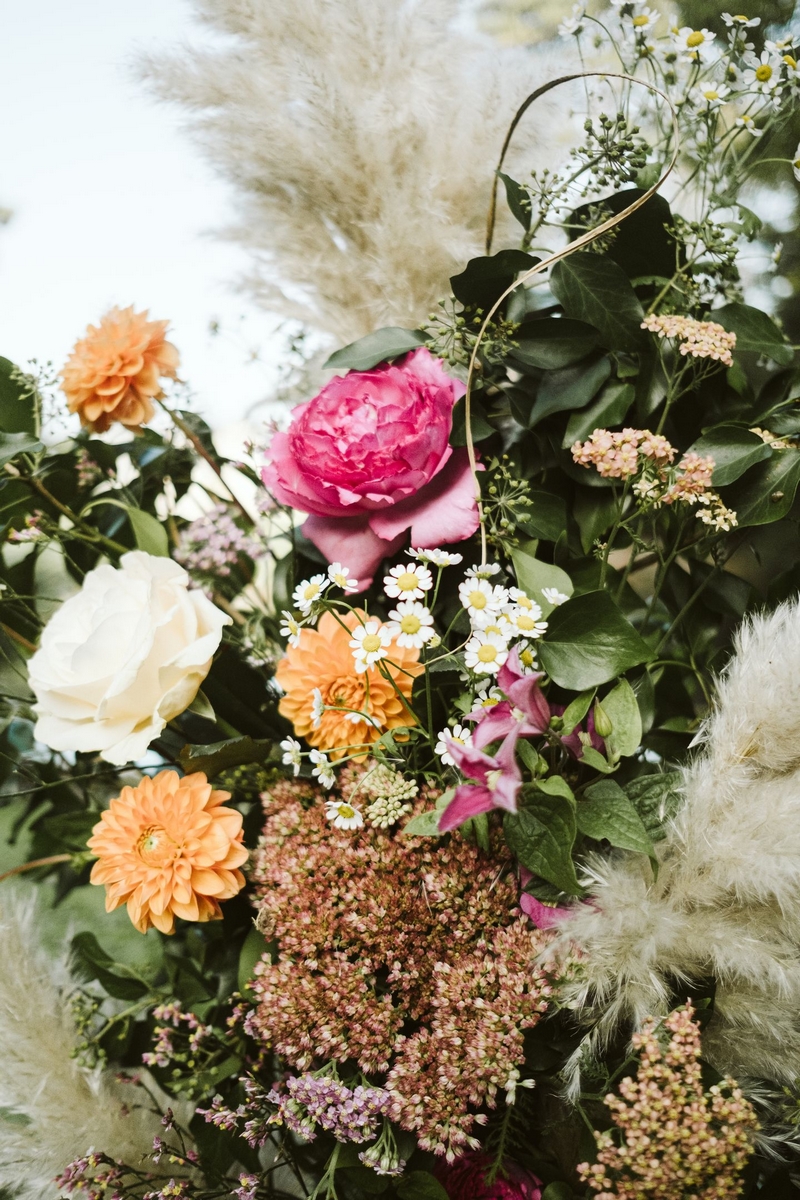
pixel 589 642
pixel 657 799
pixel 542 835
pixel 377 347
pixel 622 709
pixel 607 813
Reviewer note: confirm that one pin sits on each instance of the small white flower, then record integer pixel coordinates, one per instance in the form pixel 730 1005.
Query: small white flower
pixel 572 26
pixel 763 74
pixel 484 571
pixel 487 696
pixel 745 121
pixel 695 45
pixel 322 768
pixel 527 656
pixel 459 733
pixel 317 708
pixel 554 596
pixel 290 628
pixel 341 578
pixel 485 653
pixel 407 582
pixel 781 46
pixel 522 600
pixel 343 815
pixel 307 593
pixel 439 558
pixel 369 643
pixel 644 21
pixel 709 95
pixel 292 754
pixel 524 622
pixel 741 22
pixel 411 624
pixel 481 600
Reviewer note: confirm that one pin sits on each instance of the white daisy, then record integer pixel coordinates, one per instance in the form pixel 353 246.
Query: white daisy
pixel 522 600
pixel 487 696
pixel 709 95
pixel 741 22
pixel 317 708
pixel 459 733
pixel 343 815
pixel 369 643
pixel 407 582
pixel 763 74
pixel 554 596
pixel 644 21
pixel 307 593
pixel 524 622
pixel 745 121
pixel 485 653
pixel 527 656
pixel 695 45
pixel 439 558
pixel 781 46
pixel 572 26
pixel 292 754
pixel 290 628
pixel 484 571
pixel 322 768
pixel 340 577
pixel 411 624
pixel 481 599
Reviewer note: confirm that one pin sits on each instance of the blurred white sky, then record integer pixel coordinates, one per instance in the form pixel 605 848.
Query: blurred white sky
pixel 111 203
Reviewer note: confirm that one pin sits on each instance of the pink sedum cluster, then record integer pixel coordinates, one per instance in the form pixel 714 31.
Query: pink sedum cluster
pixel 369 459
pixel 697 339
pixel 676 1138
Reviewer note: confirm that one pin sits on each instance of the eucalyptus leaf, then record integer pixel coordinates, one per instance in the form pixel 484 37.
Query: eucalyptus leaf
pixel 219 756
pixel 541 835
pixel 589 642
pixel 593 288
pixel 377 347
pixel 150 534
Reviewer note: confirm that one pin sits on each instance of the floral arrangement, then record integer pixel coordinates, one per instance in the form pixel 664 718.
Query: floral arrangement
pixel 383 738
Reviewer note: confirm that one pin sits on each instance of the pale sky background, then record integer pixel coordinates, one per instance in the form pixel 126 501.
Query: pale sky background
pixel 111 203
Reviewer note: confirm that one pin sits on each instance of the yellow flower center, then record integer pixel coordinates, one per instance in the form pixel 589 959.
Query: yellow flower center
pixel 477 599
pixel 371 643
pixel 639 21
pixel 492 779
pixel 525 622
pixel 763 73
pixel 711 94
pixel 410 623
pixel 524 602
pixel 407 582
pixel 526 658
pixel 695 39
pixel 310 591
pixel 346 811
pixel 739 17
pixel 790 62
pixel 155 847
pixel 487 653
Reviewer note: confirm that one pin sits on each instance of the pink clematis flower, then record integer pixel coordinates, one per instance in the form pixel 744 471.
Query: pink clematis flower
pixel 543 916
pixel 497 781
pixel 525 707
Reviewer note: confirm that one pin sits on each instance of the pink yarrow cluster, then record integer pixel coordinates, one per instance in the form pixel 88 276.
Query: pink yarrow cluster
pixel 620 455
pixel 676 1138
pixel 698 339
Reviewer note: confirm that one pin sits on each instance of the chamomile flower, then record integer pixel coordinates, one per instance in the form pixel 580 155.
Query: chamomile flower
pixel 745 121
pixel 407 582
pixel 484 571
pixel 322 768
pixel 343 815
pixel 709 95
pixel 763 74
pixel 307 593
pixel 524 621
pixel 487 696
pixel 459 733
pixel 740 22
pixel 527 656
pixel 292 754
pixel 481 599
pixel 485 652
pixel 780 46
pixel 290 628
pixel 340 577
pixel 573 25
pixel 694 45
pixel 439 558
pixel 411 624
pixel 644 21
pixel 523 600
pixel 369 643
pixel 317 708
pixel 553 596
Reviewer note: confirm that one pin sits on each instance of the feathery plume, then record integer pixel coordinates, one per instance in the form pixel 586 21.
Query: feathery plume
pixel 362 137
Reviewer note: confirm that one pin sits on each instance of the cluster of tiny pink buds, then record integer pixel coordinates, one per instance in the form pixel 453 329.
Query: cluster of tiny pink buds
pixel 163 1047
pixel 94 1177
pixel 621 455
pixel 698 339
pixel 88 471
pixel 675 1138
pixel 351 1115
pixel 214 544
pixel 32 531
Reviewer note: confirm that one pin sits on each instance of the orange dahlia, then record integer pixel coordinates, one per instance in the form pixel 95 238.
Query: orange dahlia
pixel 324 660
pixel 114 372
pixel 167 848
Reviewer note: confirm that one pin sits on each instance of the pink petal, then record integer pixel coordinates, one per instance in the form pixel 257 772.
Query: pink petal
pixel 442 512
pixel 351 541
pixel 468 802
pixel 544 916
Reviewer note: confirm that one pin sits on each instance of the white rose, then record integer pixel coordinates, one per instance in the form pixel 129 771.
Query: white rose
pixel 123 657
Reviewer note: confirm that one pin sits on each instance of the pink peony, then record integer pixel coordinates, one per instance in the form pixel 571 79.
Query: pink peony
pixel 465 1179
pixel 369 459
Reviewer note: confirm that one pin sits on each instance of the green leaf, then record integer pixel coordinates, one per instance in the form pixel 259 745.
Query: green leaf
pixel 13 444
pixel 376 348
pixel 481 429
pixel 572 387
pixel 150 534
pixel 89 961
pixel 592 288
pixel 552 343
pixel 420 1185
pixel 595 512
pixel 254 947
pixel 657 799
pixel 622 709
pixel 734 451
pixel 594 759
pixel 642 244
pixel 608 410
pixel 427 824
pixel 542 835
pixel 219 756
pixel 589 642
pixel 519 201
pixel 547 516
pixel 484 279
pixel 756 333
pixel 533 575
pixel 767 491
pixel 575 711
pixel 559 1191
pixel 555 785
pixel 17 411
pixel 608 813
